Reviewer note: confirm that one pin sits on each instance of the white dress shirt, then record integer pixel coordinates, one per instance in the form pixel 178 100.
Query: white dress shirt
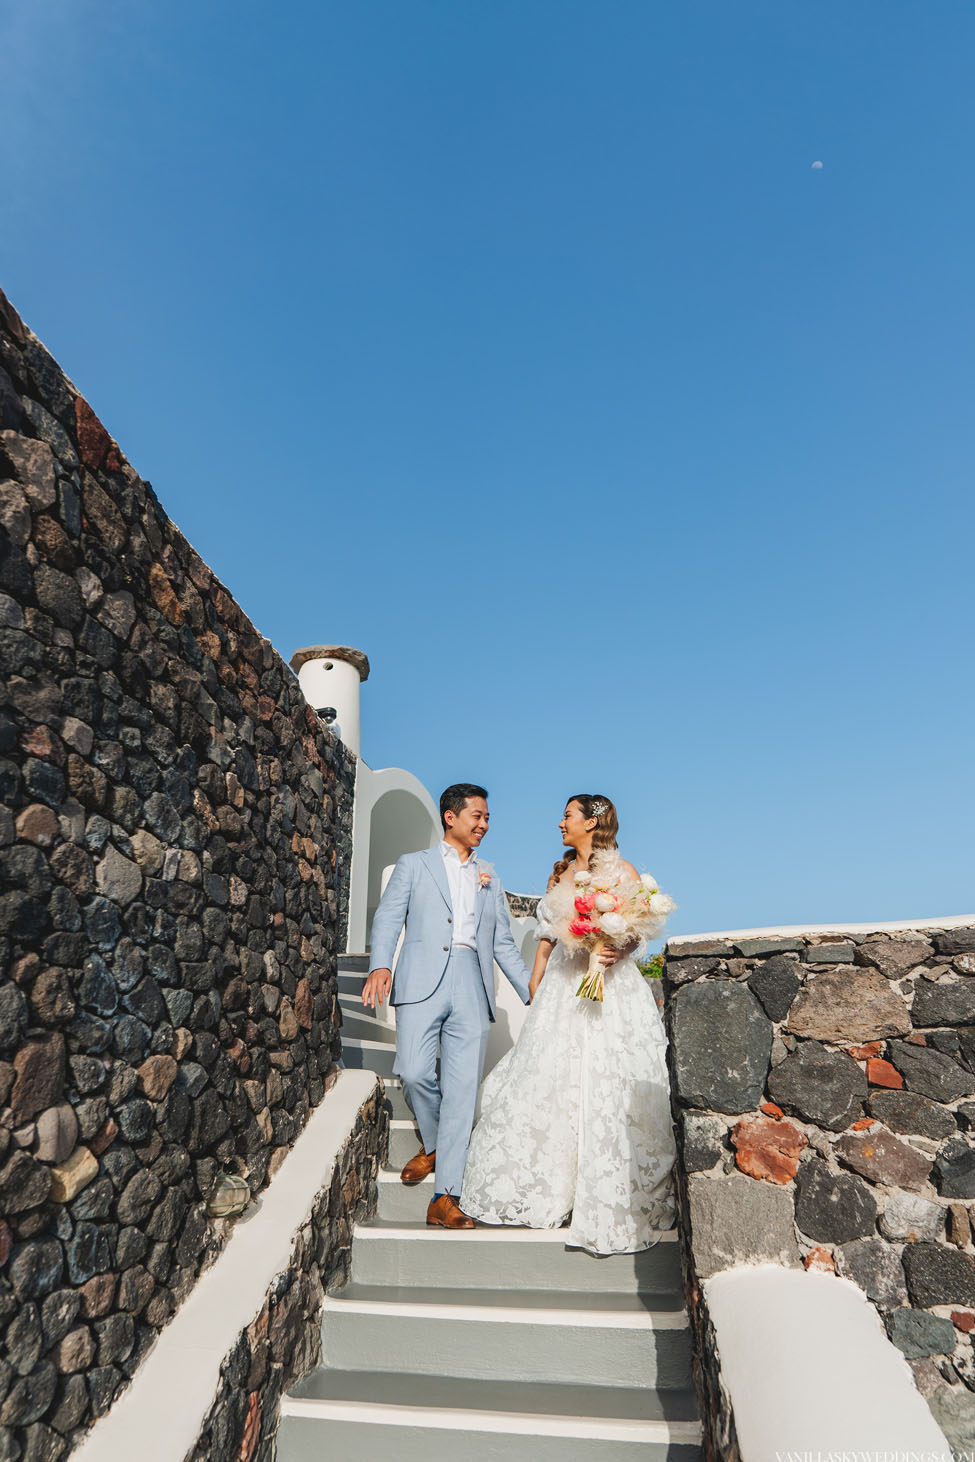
pixel 462 880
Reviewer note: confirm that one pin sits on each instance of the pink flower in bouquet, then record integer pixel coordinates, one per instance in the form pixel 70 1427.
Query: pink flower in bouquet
pixel 585 903
pixel 581 927
pixel 607 903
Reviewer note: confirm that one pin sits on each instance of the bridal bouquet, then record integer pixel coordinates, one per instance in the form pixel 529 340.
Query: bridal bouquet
pixel 601 910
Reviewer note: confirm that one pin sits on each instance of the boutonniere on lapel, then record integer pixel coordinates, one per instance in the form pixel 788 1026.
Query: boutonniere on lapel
pixel 484 875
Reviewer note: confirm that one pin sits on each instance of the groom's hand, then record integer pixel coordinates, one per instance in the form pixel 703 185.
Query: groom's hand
pixel 377 987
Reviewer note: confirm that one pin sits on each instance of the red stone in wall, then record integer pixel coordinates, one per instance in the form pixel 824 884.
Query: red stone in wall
pixel 863 1053
pixel 93 440
pixel 882 1073
pixel 768 1148
pixel 252 1428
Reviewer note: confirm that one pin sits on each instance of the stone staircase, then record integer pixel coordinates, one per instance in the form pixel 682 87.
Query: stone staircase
pixel 498 1342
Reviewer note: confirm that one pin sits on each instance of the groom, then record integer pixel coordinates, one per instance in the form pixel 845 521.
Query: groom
pixel 456 927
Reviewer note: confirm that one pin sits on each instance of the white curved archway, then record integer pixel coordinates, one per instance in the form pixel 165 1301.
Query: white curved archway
pixel 394 814
pixel 398 823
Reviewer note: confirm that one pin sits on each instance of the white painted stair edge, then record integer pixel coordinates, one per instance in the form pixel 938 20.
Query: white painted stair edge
pixel 480 1235
pixel 160 1416
pixel 811 1372
pixel 606 1319
pixel 513 1423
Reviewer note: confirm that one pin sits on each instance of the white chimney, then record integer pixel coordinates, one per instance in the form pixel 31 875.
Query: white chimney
pixel 330 677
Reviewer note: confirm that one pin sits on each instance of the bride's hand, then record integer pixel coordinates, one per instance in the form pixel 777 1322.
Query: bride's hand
pixel 609 957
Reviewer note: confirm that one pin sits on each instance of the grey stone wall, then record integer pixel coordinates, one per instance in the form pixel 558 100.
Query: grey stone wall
pixel 522 905
pixel 175 835
pixel 284 1341
pixel 824 1100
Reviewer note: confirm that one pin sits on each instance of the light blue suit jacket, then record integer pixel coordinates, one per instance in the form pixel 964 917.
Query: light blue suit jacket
pixel 419 896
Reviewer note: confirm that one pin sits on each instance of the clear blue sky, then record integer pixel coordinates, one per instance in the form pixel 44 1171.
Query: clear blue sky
pixel 522 345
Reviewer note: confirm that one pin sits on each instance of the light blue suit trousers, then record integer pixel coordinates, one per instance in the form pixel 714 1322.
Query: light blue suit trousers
pixel 456 1016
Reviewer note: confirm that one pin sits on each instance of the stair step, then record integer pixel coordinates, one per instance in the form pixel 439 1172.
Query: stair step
pixel 350 1002
pixel 401 1203
pixel 397 1201
pixel 408 1415
pixel 310 1439
pixel 347 963
pixel 369 1055
pixel 491 1258
pixel 617 1302
pixel 404 1143
pixel 350 984
pixel 539 1398
pixel 357 1024
pixel 395 1100
pixel 497 1232
pixel 609 1340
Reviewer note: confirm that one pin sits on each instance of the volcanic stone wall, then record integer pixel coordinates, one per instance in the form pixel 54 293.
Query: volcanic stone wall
pixel 175 835
pixel 824 1099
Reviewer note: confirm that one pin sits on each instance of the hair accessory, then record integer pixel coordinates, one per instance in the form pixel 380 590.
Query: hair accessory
pixel 598 808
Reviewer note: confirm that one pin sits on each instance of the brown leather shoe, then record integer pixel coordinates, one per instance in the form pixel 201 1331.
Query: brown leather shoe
pixel 446 1212
pixel 419 1167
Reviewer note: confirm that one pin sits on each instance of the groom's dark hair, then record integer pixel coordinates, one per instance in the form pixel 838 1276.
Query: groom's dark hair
pixel 455 799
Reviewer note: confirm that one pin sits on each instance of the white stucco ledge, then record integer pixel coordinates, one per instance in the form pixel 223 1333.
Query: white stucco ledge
pixel 783 931
pixel 160 1416
pixel 810 1370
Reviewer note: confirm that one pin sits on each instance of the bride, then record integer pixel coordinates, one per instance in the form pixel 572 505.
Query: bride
pixel 576 1117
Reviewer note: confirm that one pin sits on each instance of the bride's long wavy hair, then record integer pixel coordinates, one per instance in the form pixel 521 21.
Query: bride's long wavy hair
pixel 603 834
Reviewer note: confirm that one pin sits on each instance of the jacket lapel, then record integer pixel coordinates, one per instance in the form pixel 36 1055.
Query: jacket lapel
pixel 433 858
pixel 480 900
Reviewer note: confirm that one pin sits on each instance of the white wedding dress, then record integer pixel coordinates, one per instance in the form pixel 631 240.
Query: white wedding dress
pixel 576 1118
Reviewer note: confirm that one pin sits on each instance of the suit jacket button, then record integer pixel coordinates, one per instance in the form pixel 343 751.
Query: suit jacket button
pixel 449 919
pixel 446 948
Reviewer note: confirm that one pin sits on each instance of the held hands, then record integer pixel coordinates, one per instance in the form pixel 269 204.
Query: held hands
pixel 377 987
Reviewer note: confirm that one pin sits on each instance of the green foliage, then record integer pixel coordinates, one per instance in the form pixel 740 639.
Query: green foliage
pixel 653 968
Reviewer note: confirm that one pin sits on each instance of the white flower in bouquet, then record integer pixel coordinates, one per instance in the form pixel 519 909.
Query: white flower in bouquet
pixel 603 908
